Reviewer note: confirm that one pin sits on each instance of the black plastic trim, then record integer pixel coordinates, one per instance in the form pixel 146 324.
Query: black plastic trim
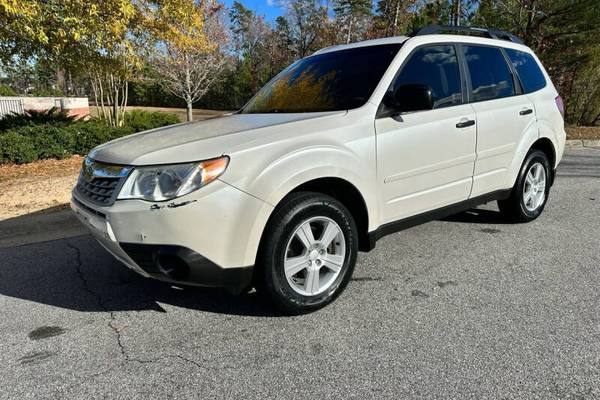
pixel 469 30
pixel 200 270
pixel 446 211
pixel 88 208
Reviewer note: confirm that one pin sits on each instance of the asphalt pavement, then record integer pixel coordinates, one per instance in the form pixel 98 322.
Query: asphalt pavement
pixel 466 307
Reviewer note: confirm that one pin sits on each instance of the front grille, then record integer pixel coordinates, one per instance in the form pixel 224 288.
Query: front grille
pixel 99 182
pixel 100 190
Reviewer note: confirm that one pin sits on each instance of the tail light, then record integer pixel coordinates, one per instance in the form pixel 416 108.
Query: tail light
pixel 561 105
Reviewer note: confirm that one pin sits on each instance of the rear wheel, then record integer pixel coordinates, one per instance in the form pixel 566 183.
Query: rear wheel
pixel 309 252
pixel 530 193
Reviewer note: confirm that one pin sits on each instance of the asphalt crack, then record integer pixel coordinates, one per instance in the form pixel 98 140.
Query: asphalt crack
pixel 112 319
pixel 99 301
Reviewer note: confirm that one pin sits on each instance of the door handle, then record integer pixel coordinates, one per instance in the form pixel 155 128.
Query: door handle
pixel 465 123
pixel 526 111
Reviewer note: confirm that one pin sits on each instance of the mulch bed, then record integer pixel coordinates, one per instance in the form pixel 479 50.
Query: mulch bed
pixel 41 169
pixel 583 132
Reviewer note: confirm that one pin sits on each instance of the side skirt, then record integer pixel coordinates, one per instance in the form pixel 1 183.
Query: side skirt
pixel 396 226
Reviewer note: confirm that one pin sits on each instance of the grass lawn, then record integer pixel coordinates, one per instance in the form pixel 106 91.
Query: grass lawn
pixel 199 114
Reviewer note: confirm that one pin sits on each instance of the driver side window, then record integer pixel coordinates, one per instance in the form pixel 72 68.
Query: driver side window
pixel 437 67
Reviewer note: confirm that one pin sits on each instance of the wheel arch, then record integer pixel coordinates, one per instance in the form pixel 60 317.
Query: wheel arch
pixel 545 145
pixel 340 189
pixel 532 140
pixel 347 194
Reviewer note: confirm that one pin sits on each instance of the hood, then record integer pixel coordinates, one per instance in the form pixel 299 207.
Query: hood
pixel 194 141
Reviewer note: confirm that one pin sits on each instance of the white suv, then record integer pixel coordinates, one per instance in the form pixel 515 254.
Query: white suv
pixel 339 149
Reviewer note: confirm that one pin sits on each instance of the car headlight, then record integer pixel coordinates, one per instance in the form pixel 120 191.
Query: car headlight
pixel 166 182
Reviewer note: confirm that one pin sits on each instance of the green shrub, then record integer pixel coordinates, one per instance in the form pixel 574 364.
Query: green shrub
pixel 15 148
pixel 53 142
pixel 141 120
pixel 32 117
pixel 46 92
pixel 7 91
pixel 30 143
pixel 23 144
pixel 87 135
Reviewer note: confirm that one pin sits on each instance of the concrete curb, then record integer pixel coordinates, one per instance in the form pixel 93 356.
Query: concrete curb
pixel 575 144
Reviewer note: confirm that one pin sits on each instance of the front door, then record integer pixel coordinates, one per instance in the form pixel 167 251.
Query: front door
pixel 425 159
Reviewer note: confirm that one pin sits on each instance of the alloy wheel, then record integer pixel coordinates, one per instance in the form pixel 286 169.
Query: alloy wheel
pixel 314 256
pixel 534 188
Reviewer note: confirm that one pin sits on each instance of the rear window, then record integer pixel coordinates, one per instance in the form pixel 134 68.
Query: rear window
pixel 490 75
pixel 530 74
pixel 338 80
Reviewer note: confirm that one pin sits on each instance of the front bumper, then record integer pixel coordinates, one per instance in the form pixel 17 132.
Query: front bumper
pixel 207 238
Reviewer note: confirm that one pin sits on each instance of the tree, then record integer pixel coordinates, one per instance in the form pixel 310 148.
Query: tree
pixel 80 36
pixel 393 17
pixel 21 28
pixel 353 15
pixel 255 45
pixel 191 36
pixel 307 20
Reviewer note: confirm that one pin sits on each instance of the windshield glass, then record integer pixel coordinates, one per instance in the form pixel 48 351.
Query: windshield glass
pixel 340 80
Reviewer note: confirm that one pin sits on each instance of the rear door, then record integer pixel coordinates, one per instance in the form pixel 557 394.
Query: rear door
pixel 504 115
pixel 425 158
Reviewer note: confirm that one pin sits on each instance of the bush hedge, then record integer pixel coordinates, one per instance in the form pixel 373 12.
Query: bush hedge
pixel 33 117
pixel 33 142
pixel 141 120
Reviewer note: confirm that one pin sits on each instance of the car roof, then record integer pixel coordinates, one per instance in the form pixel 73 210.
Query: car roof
pixel 364 43
pixel 430 38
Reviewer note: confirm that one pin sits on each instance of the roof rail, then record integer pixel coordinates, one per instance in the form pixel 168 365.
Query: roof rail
pixel 447 29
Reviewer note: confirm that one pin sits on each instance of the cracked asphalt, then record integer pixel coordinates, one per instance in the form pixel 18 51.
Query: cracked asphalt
pixel 465 307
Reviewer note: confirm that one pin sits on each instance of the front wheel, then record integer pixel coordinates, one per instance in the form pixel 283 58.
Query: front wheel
pixel 530 193
pixel 309 251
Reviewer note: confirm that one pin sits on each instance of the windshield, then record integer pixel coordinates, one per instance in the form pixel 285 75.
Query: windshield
pixel 340 80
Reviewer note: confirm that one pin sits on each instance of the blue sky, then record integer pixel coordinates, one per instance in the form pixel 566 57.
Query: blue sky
pixel 268 8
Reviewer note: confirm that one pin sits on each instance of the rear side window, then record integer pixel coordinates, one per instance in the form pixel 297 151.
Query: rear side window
pixel 528 69
pixel 436 67
pixel 490 75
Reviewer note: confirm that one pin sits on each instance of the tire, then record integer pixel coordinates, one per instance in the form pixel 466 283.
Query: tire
pixel 316 274
pixel 525 204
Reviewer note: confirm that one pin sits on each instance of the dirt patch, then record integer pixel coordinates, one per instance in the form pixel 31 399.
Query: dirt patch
pixel 38 186
pixel 583 132
pixel 41 169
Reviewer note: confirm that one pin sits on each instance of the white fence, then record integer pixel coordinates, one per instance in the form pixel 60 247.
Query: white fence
pixel 10 105
pixel 75 106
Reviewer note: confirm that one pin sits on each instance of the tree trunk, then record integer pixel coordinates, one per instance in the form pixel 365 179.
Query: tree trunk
pixel 190 115
pixel 396 15
pixel 349 30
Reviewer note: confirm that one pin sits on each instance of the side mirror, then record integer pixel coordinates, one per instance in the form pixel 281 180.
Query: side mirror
pixel 412 97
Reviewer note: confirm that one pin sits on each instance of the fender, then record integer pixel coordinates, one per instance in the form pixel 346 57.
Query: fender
pixel 530 136
pixel 558 140
pixel 283 175
pixel 539 130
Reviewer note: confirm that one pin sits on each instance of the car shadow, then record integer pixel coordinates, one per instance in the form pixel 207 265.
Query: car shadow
pixel 479 216
pixel 78 274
